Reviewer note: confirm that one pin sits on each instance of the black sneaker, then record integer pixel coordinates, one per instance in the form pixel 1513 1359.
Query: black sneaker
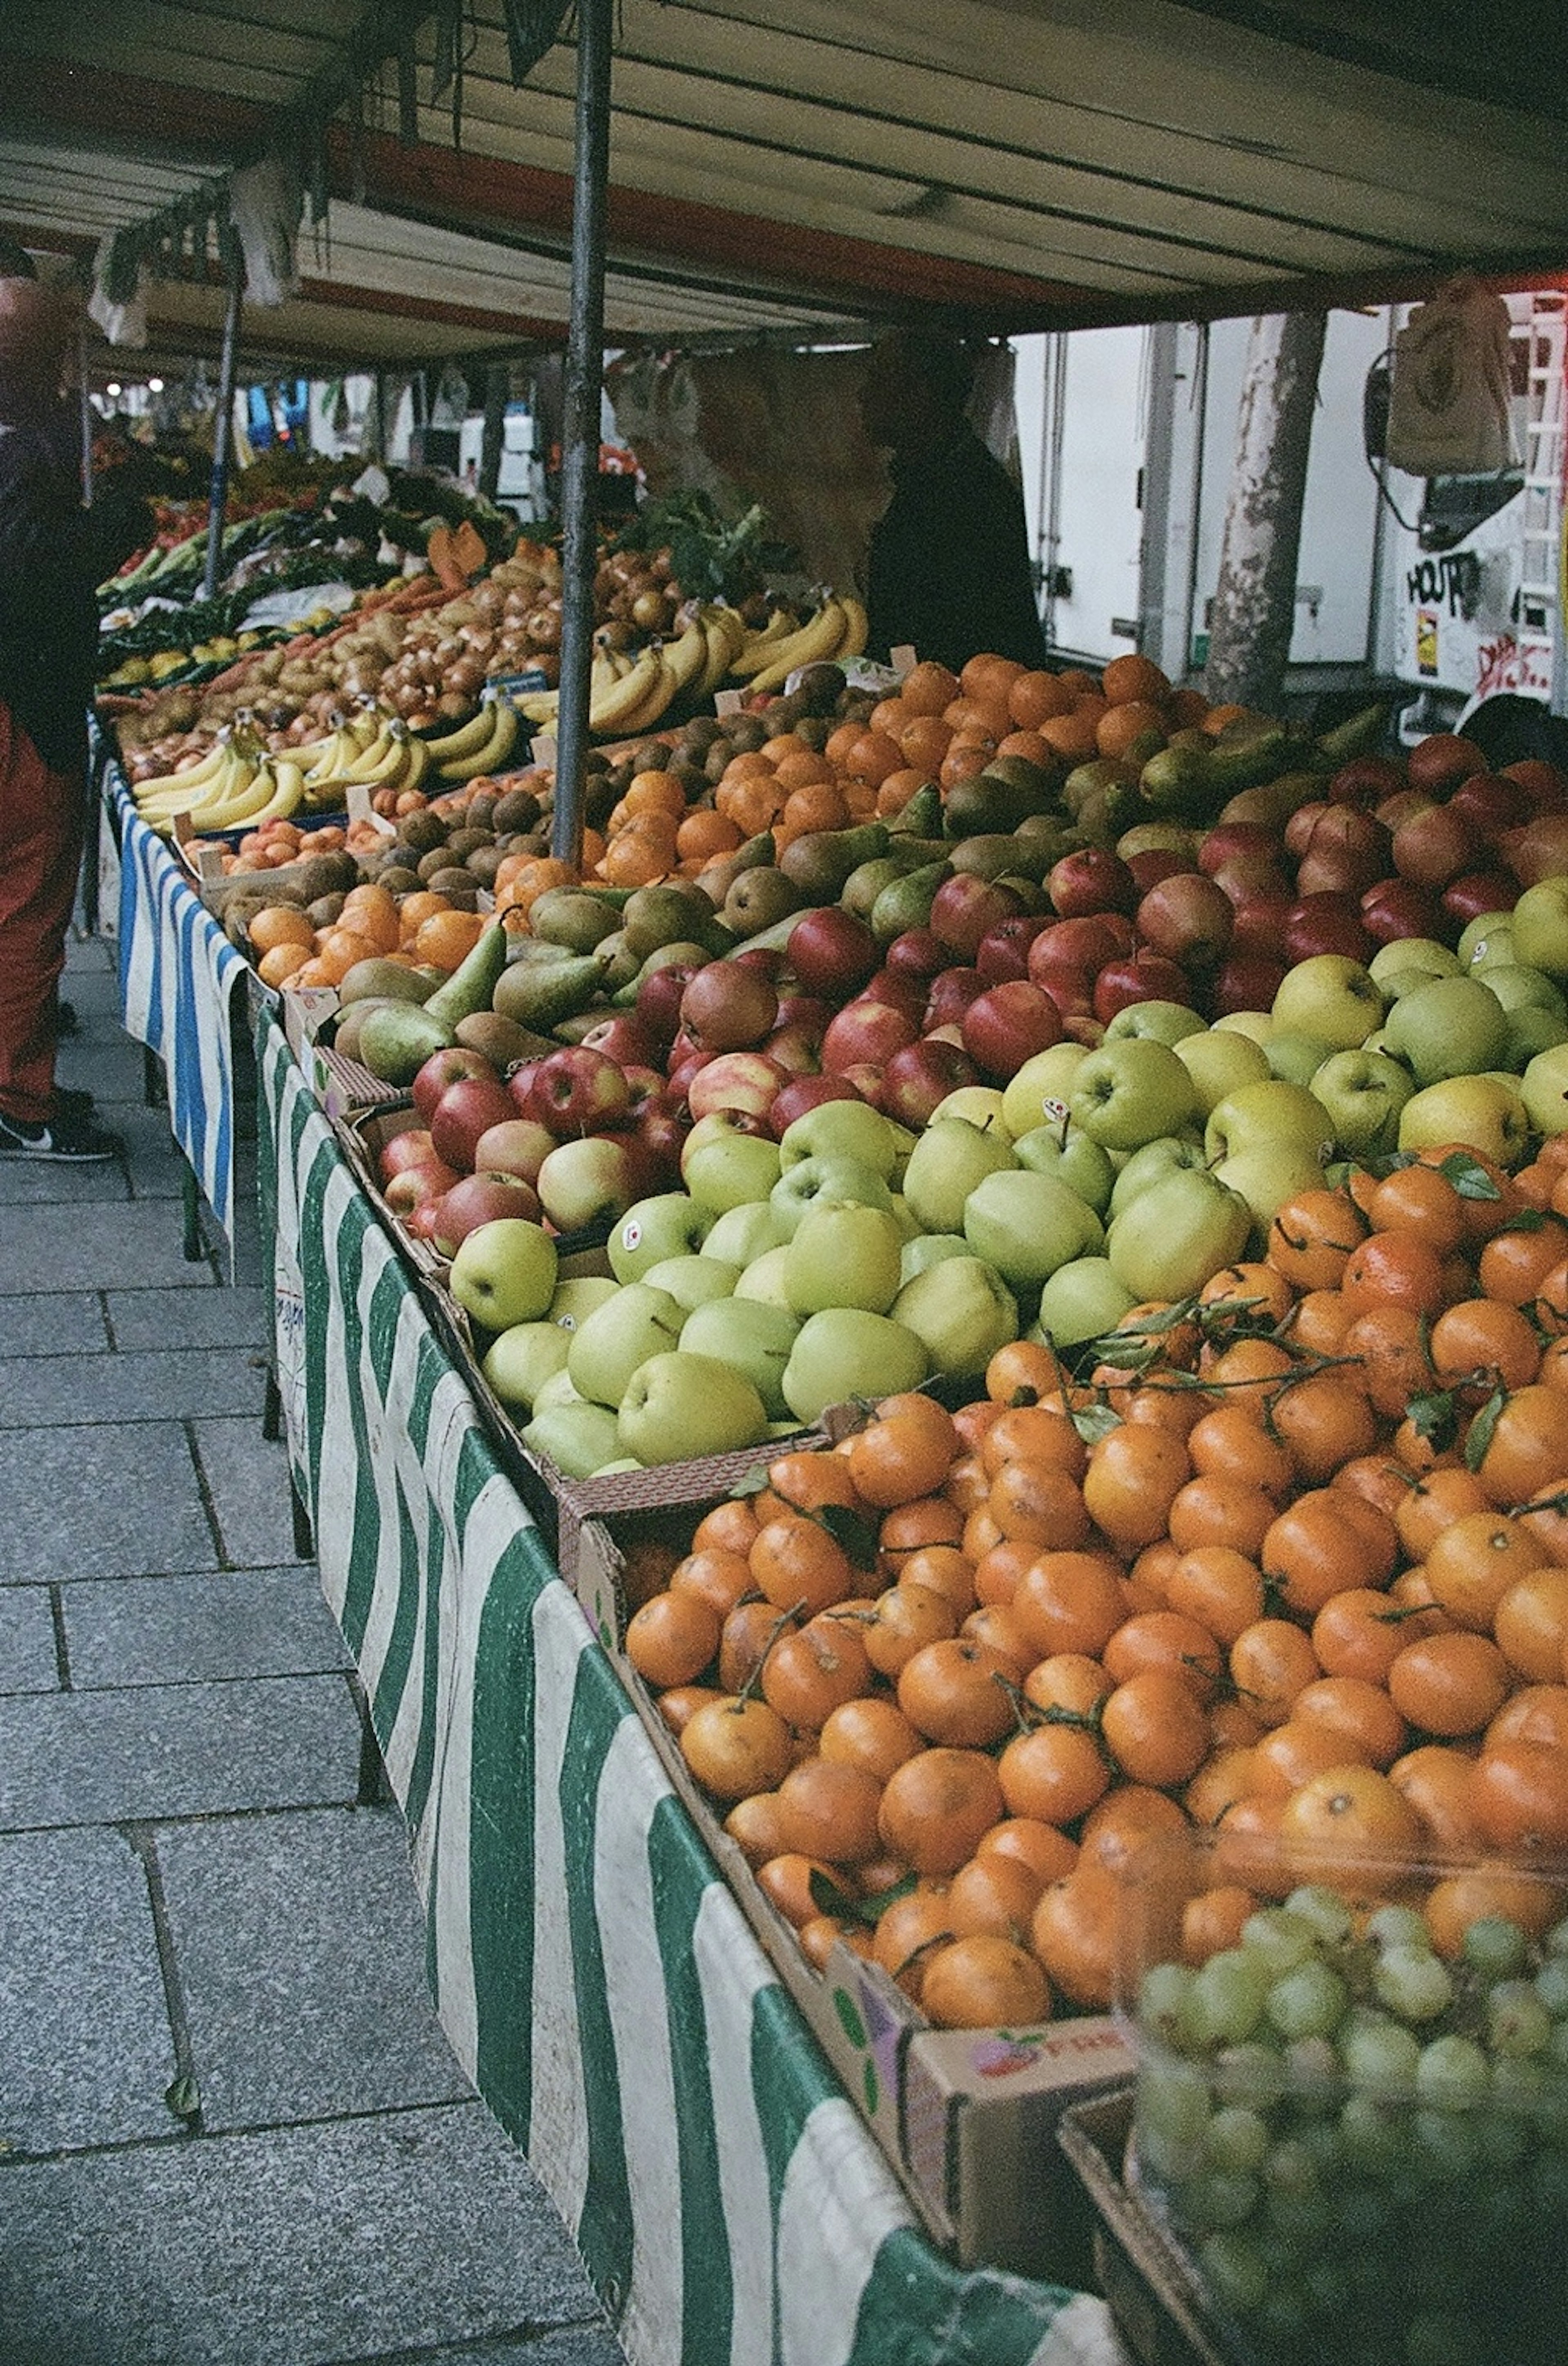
pixel 65 1020
pixel 70 1101
pixel 71 1140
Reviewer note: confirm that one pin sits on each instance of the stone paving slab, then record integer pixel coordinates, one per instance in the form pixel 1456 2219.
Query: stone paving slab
pixel 295 2246
pixel 571 2345
pixel 158 1751
pixel 299 1945
pixel 50 1247
pixel 103 1502
pixel 39 1182
pixel 173 1384
pixel 247 1478
pixel 87 2051
pixel 180 1631
pixel 28 1662
pixel 110 1070
pixel 57 1323
pixel 144 1319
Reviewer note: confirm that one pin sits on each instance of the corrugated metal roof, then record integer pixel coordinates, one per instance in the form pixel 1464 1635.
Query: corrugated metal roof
pixel 1022 164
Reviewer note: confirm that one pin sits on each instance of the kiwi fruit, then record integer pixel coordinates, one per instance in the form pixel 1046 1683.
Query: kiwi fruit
pixel 453 880
pixel 483 864
pixel 746 734
pixel 815 730
pixel 480 814
pixel 326 909
pixel 429 864
pixel 398 878
pixel 518 809
pixel 649 756
pixel 717 757
pixel 421 830
pixel 463 842
pixel 699 734
pixel 323 875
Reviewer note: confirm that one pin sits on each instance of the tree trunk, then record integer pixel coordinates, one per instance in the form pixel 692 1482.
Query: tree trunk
pixel 1255 605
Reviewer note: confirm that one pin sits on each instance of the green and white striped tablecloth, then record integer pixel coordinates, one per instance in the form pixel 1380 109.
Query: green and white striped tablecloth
pixel 595 1977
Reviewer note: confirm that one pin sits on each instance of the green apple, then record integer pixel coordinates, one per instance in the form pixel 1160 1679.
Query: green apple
pixel 1331 997
pixel 904 1216
pixel 980 1104
pixel 1539 924
pixel 1080 1301
pixel 723 1166
pixel 607 1347
pixel 928 1249
pixel 557 1390
pixel 578 1296
pixel 1480 1111
pixel 1262 1116
pixel 949 1159
pixel 1295 1058
pixel 844 1353
pixel 1220 1063
pixel 1531 1030
pixel 753 1336
pixel 1154 1022
pixel 679 1405
pixel 1026 1225
pixel 742 1233
pixel 693 1280
pixel 1488 939
pixel 764 1277
pixel 520 1360
pixel 504 1272
pixel 1518 988
pixel 1395 983
pixel 843 1130
pixel 1177 1235
pixel 1125 1094
pixel 810 1182
pixel 1267 1174
pixel 577 1438
pixel 1045 1079
pixel 1078 1161
pixel 1543 1089
pixel 1363 1092
pixel 1450 1027
pixel 843 1256
pixel 671 1223
pixel 961 1311
pixel 1423 953
pixel 1150 1164
pixel 1258 1024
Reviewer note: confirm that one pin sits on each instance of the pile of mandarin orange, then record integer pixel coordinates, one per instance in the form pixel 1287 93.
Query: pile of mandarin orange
pixel 1290 1562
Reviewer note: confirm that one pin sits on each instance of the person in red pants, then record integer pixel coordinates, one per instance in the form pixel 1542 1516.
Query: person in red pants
pixel 51 557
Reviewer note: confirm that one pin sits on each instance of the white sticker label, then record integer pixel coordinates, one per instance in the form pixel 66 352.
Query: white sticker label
pixel 631 1235
pixel 1057 1111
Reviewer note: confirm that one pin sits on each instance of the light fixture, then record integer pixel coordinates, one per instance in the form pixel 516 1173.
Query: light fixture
pixel 154 385
pixel 113 388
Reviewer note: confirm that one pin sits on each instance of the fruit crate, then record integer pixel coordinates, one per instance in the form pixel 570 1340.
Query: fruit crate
pixel 342 1086
pixel 967 2119
pixel 1155 2304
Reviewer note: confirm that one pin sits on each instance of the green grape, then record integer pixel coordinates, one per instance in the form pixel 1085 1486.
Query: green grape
pixel 1252 2074
pixel 1413 1983
pixel 1556 1940
pixel 1217 2198
pixel 1453 2072
pixel 1168 2161
pixel 1446 2143
pixel 1324 1913
pixel 1284 2315
pixel 1371 2135
pixel 1446 2340
pixel 1503 2140
pixel 1280 1941
pixel 1308 2000
pixel 1173 2100
pixel 1378 2053
pixel 1313 2068
pixel 1328 2286
pixel 1236 2139
pixel 1548 2185
pixel 1518 2023
pixel 1557 2045
pixel 1398 1926
pixel 1364 2214
pixel 1551 1986
pixel 1494 1947
pixel 1235 2270
pixel 1163 1994
pixel 1227 1999
pixel 1320 2138
pixel 1290 2169
pixel 1523 2082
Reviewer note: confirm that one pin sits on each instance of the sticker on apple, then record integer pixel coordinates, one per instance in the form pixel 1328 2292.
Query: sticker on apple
pixel 1055 1110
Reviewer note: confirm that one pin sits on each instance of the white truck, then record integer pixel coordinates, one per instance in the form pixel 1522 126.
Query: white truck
pixel 1448 592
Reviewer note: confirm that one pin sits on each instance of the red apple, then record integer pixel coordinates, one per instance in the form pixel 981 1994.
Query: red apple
pixel 920 1077
pixel 448 1066
pixel 796 1050
pixel 661 1129
pixel 682 1072
pixel 950 997
pixel 643 1084
pixel 916 951
pixel 1346 852
pixel 1070 985
pixel 1248 880
pixel 865 1077
pixel 1326 924
pixel 1538 851
pixel 1089 880
pixel 1229 841
pixel 769 959
pixel 1090 938
pixel 1008 1024
pixel 1434 846
pixel 478 1199
pixel 730 1005
pixel 899 990
pixel 1140 977
pixel 1543 784
pixel 1474 891
pixel 626 1038
pixel 412 1147
pixel 1301 825
pixel 411 1187
pixel 866 1034
pixel 1402 805
pixel 1003 952
pixel 1258 921
pixel 803 1093
pixel 736 1080
pixel 1366 781
pixel 1491 803
pixel 1441 762
pixel 659 998
pixel 518 1145
pixel 578 1091
pixel 465 1111
pixel 832 952
pixel 1157 864
pixel 965 908
pixel 1246 981
pixel 1393 908
pixel 808 1014
pixel 1188 919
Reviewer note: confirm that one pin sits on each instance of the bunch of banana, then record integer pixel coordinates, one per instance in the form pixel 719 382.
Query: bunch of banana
pixel 171 792
pixel 832 636
pixel 373 750
pixel 761 643
pixel 483 744
pixel 726 634
pixel 244 789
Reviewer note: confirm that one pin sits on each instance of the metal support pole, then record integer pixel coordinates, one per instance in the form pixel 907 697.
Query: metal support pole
pixel 224 430
pixel 497 386
pixel 580 435
pixel 85 408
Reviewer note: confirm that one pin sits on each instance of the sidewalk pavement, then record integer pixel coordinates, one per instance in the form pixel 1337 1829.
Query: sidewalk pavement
pixel 231 2133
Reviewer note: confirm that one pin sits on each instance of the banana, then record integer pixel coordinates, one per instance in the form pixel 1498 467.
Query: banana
pixel 287 793
pixel 383 762
pixel 492 755
pixel 814 644
pixel 686 659
pixel 450 746
pixel 251 795
pixel 338 752
pixel 859 626
pixel 610 714
pixel 213 790
pixel 760 648
pixel 417 760
pixel 206 768
pixel 644 716
pixel 540 707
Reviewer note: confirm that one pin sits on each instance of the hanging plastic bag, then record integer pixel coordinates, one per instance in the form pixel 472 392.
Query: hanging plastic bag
pixel 118 304
pixel 1448 406
pixel 265 201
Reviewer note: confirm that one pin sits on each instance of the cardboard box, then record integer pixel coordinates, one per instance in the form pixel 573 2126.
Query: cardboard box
pixel 968 2118
pixel 1155 2301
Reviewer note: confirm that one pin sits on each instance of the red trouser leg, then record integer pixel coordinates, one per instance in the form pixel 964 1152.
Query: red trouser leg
pixel 41 819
